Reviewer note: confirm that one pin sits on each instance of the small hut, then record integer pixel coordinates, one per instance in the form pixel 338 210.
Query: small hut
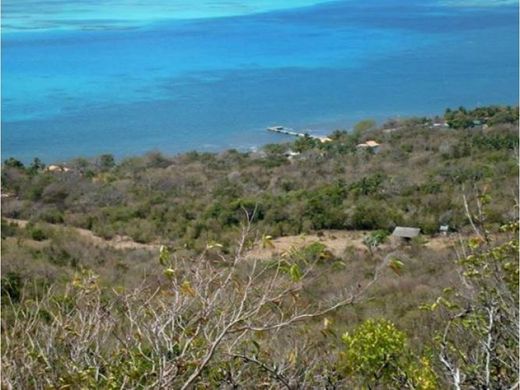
pixel 290 154
pixel 406 234
pixel 58 168
pixel 369 145
pixel 54 168
pixel 324 139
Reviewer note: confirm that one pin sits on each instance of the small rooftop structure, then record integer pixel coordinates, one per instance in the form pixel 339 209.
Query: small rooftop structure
pixel 54 168
pixel 57 168
pixel 369 145
pixel 372 144
pixel 406 232
pixel 440 124
pixel 290 154
pixel 324 139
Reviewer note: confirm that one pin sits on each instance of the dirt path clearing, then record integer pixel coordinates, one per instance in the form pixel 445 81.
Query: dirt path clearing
pixel 335 240
pixel 118 242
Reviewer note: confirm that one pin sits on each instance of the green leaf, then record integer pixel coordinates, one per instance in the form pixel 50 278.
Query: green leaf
pixel 267 242
pixel 186 288
pixel 475 242
pixel 164 255
pixel 256 345
pixel 396 266
pixel 295 273
pixel 169 273
pixel 213 244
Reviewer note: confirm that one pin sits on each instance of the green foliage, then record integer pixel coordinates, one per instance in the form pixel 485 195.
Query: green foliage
pixel 196 197
pixel 367 185
pixel 51 215
pixel 37 233
pixel 509 115
pixel 493 115
pixel 36 166
pixel 310 254
pixel 324 206
pixel 374 239
pixel 362 127
pixel 156 159
pixel 8 229
pixel 11 286
pixel 376 355
pixel 373 350
pixel 458 119
pixel 479 340
pixel 315 251
pixel 295 273
pixel 13 163
pixel 164 255
pixel 373 216
pixel 365 125
pixel 267 241
pixel 275 149
pixel 303 144
pixel 396 265
pixel 106 162
pixel 496 141
pixel 198 203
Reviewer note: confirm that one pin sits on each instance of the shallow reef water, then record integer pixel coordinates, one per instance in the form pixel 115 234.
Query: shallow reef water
pixel 79 78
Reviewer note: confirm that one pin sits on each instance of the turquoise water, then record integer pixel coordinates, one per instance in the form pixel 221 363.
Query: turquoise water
pixel 117 14
pixel 128 77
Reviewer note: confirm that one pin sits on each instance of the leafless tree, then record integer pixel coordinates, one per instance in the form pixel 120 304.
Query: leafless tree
pixel 209 321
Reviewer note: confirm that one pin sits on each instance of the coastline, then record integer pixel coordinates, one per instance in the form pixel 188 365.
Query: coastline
pixel 80 105
pixel 250 140
pixel 271 134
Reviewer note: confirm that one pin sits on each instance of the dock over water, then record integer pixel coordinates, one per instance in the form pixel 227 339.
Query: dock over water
pixel 289 131
pixel 285 130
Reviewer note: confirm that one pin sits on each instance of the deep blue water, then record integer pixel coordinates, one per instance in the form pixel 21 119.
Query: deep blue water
pixel 215 83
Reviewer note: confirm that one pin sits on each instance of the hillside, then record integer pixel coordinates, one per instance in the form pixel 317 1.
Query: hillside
pixel 207 270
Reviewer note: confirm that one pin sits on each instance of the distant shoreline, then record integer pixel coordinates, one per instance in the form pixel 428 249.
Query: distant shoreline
pixel 285 135
pixel 215 84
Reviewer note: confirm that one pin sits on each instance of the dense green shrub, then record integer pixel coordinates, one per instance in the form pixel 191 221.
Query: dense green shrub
pixel 373 216
pixel 37 233
pixel 51 215
pixel 376 355
pixel 11 286
pixel 508 141
pixel 8 229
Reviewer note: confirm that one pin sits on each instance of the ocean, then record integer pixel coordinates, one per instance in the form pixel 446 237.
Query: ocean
pixel 81 78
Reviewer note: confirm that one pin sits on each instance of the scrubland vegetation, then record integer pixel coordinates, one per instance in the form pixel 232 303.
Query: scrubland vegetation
pixel 201 313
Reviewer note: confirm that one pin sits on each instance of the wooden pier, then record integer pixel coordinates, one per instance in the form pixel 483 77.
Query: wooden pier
pixel 285 130
pixel 288 131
